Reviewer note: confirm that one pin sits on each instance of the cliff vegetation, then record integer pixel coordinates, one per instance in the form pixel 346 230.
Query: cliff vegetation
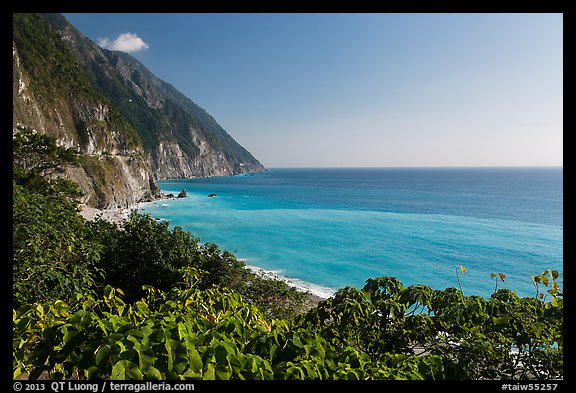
pixel 128 127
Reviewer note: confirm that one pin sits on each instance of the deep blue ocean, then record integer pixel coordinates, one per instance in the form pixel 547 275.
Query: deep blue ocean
pixel 323 229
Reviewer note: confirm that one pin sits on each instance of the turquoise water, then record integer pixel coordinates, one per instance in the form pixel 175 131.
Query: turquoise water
pixel 323 229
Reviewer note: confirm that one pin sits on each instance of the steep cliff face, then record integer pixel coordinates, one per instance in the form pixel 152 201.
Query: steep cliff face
pixel 51 95
pixel 192 143
pixel 167 121
pixel 129 127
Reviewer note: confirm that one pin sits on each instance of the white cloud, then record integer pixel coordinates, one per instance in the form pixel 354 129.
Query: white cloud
pixel 126 42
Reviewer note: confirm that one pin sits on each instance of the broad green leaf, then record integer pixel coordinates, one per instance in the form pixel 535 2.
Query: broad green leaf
pixel 105 325
pixel 50 333
pixel 129 354
pixel 124 370
pixel 223 372
pixel 554 302
pixel 252 365
pixel 191 374
pixel 17 372
pixel 143 308
pixel 145 355
pixel 195 361
pixel 418 375
pixel 220 353
pixel 69 334
pixel 153 373
pixel 102 354
pixel 108 292
pixel 294 372
pixel 182 331
pixel 179 367
pixel 22 323
pixel 236 362
pixel 310 370
pixel 210 373
pixel 296 340
pixel 171 355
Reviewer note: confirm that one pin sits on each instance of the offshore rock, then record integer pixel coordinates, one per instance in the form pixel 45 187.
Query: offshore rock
pixel 129 127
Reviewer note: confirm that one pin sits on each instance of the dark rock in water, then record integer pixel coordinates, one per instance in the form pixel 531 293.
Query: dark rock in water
pixel 170 196
pixel 115 117
pixel 211 195
pixel 182 194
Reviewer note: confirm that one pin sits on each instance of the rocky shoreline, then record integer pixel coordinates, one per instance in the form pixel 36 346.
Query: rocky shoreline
pixel 115 216
pixel 119 215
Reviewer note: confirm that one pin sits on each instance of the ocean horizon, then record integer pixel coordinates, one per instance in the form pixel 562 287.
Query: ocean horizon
pixel 322 229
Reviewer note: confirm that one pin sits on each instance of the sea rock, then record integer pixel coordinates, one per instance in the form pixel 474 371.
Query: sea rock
pixel 211 195
pixel 103 120
pixel 182 194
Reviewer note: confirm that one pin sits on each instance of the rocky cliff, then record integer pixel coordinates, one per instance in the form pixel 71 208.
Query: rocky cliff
pixel 129 127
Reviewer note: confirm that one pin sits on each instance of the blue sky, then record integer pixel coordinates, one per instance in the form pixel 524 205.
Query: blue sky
pixel 335 90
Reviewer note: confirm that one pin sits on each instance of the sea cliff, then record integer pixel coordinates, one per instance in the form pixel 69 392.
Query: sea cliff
pixel 128 127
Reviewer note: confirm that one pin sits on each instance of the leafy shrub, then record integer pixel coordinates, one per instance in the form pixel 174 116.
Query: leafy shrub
pixel 184 334
pixel 501 337
pixel 51 257
pixel 142 252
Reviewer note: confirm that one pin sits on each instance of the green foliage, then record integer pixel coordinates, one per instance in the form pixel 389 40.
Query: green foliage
pixel 501 337
pixel 143 252
pixel 274 297
pixel 130 105
pixel 141 301
pixel 184 334
pixel 51 256
pixel 36 159
pixel 48 59
pixel 37 153
pixel 214 334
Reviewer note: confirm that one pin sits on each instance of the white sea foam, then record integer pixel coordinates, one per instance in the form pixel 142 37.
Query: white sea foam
pixel 318 290
pixel 141 206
